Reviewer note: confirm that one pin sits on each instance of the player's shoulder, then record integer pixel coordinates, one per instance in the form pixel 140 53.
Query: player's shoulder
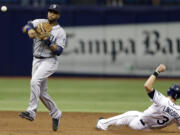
pixel 159 98
pixel 60 29
pixel 157 93
pixel 40 20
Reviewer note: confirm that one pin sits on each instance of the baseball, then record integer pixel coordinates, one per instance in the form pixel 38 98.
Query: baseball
pixel 3 8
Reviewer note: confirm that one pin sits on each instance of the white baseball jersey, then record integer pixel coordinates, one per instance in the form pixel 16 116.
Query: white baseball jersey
pixel 57 34
pixel 162 112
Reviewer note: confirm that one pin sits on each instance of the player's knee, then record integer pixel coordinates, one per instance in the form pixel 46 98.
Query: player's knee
pixel 34 82
pixel 136 125
pixel 42 94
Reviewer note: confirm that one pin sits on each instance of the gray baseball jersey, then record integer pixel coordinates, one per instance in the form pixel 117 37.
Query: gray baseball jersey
pixel 57 34
pixel 43 68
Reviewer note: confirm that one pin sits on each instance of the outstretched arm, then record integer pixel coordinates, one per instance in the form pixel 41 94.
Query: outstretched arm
pixel 150 81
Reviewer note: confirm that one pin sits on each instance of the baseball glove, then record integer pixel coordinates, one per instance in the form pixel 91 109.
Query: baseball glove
pixel 43 30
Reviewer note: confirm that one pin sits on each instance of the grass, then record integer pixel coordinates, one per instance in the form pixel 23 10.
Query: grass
pixel 82 95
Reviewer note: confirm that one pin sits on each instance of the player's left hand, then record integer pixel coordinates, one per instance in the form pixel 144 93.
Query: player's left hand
pixel 43 30
pixel 161 68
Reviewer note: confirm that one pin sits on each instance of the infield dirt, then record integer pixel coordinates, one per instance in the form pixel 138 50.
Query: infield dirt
pixel 71 124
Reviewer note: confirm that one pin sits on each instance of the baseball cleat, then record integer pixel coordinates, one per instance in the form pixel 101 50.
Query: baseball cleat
pixel 26 115
pixel 100 124
pixel 56 123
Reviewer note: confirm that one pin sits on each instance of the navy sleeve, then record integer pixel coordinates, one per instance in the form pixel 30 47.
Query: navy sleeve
pixel 59 50
pixel 151 95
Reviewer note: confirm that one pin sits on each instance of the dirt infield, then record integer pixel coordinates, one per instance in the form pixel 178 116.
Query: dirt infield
pixel 71 124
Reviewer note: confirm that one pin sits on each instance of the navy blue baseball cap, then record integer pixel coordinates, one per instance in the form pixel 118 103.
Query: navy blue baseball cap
pixel 55 7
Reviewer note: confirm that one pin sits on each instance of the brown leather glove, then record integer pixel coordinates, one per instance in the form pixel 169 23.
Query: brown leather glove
pixel 43 30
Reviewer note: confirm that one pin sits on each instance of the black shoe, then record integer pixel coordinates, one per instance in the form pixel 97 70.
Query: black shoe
pixel 55 123
pixel 100 118
pixel 26 115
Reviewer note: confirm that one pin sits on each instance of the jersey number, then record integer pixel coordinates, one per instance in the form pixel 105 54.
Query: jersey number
pixel 161 122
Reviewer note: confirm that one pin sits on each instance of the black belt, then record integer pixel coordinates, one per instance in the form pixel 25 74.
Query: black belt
pixel 142 122
pixel 40 57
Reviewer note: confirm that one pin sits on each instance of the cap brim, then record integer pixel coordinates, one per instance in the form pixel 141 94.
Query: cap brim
pixel 53 11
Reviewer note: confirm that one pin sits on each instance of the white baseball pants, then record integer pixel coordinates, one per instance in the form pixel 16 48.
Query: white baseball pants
pixel 130 118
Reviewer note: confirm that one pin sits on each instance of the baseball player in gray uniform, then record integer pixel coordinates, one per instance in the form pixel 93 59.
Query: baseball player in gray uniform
pixel 161 113
pixel 45 63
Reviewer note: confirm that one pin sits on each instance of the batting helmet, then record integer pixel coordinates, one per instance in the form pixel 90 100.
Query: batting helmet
pixel 174 91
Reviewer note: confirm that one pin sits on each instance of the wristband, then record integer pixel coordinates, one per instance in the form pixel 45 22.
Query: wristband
pixel 156 73
pixel 49 42
pixel 29 27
